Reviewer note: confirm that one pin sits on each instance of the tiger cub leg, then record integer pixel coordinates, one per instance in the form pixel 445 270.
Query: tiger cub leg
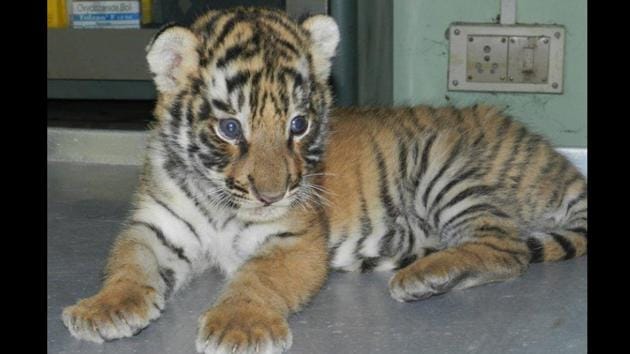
pixel 492 253
pixel 250 316
pixel 132 295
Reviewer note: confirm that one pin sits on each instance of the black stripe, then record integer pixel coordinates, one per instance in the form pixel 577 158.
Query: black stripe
pixel 368 264
pixel 405 261
pixel 579 230
pixel 287 234
pixel 168 275
pixel 429 250
pixel 568 184
pixel 536 250
pixel 566 245
pixel 385 244
pixel 190 227
pixel 227 28
pixel 576 200
pixel 513 154
pixel 222 106
pixel 204 110
pixel 288 46
pixel 425 158
pixel 160 235
pixel 243 50
pixel 499 249
pixel 476 208
pixel 443 169
pixel 237 80
pixel 494 229
pixel 364 219
pixel 227 221
pixel 385 197
pixel 450 185
pixel 470 191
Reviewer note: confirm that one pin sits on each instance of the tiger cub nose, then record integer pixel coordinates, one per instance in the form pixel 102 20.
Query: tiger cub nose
pixel 266 197
pixel 269 199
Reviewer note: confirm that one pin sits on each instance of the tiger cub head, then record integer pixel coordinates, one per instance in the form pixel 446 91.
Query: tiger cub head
pixel 243 102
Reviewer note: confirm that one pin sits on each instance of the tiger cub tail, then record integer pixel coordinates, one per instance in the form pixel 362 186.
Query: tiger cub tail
pixel 566 241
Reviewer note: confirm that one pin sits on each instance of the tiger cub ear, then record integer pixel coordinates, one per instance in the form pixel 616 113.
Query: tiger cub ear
pixel 324 35
pixel 172 55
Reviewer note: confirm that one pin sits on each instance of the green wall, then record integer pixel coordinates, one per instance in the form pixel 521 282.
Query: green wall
pixel 420 60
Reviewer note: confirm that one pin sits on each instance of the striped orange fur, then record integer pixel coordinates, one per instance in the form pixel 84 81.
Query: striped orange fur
pixel 251 170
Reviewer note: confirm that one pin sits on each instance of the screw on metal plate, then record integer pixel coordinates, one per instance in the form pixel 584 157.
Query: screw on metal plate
pixel 455 82
pixel 512 40
pixel 487 49
pixel 503 40
pixel 557 34
pixel 470 39
pixel 456 32
pixel 511 78
pixel 545 40
pixel 554 85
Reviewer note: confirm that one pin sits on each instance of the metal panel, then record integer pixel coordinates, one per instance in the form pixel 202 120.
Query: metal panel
pixel 101 89
pixel 299 8
pixel 103 54
pixel 459 34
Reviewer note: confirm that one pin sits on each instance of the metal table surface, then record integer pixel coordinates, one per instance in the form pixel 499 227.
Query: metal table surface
pixel 544 311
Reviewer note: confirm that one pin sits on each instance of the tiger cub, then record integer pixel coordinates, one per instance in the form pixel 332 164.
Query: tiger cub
pixel 250 170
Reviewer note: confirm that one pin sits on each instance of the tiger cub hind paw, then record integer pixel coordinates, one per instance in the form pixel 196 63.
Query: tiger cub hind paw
pixel 406 286
pixel 113 313
pixel 242 328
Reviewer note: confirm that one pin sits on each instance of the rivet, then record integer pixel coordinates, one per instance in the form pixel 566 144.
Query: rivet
pixel 455 82
pixel 469 77
pixel 487 49
pixel 486 58
pixel 557 34
pixel 470 39
pixel 512 40
pixel 503 40
pixel 545 40
pixel 456 32
pixel 554 85
pixel 511 78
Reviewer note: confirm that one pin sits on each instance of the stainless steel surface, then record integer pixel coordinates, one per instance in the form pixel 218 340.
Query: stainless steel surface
pixel 299 8
pixel 543 311
pixel 102 54
pixel 97 146
pixel 545 59
pixel 101 89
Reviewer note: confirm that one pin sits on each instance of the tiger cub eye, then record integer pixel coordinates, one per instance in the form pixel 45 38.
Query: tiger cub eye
pixel 299 125
pixel 230 128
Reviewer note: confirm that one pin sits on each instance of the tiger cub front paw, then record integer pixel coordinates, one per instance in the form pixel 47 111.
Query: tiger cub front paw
pixel 115 312
pixel 243 328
